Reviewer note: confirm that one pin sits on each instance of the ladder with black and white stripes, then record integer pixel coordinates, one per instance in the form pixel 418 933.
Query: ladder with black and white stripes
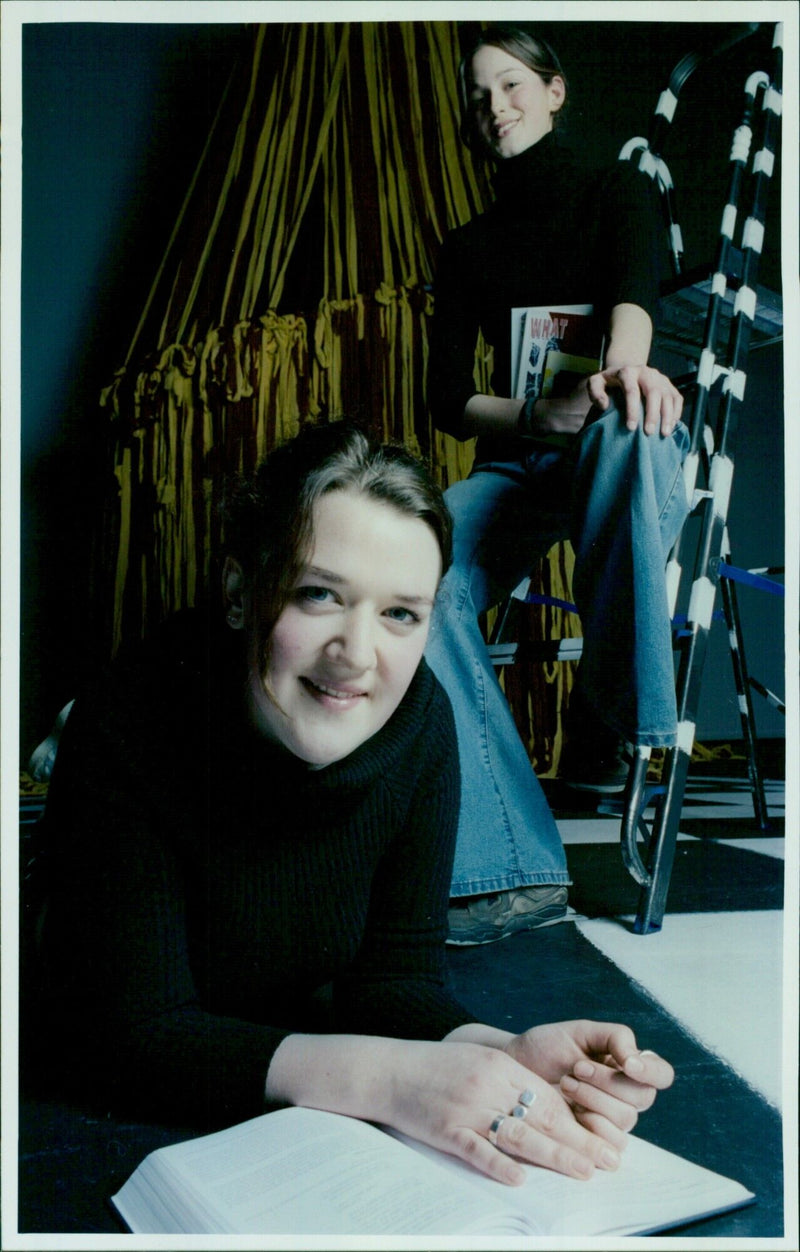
pixel 649 851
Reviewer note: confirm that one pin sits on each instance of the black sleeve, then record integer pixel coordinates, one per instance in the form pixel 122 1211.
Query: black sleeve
pixel 123 1006
pixel 454 333
pixel 629 239
pixel 398 984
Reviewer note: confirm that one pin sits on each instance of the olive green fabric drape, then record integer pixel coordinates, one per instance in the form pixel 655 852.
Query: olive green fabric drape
pixel 295 288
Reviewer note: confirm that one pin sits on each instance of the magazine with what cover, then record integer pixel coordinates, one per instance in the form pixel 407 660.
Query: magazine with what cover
pixel 553 348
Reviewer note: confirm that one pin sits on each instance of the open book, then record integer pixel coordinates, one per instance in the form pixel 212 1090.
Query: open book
pixel 304 1172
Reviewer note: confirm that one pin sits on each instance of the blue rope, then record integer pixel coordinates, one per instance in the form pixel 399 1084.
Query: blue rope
pixel 732 572
pixel 534 598
pixel 750 579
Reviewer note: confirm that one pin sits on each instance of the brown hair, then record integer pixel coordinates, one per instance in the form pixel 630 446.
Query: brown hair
pixel 518 42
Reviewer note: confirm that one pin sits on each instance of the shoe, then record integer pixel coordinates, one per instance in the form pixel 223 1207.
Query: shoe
pixel 483 919
pixel 43 758
pixel 595 757
pixel 599 767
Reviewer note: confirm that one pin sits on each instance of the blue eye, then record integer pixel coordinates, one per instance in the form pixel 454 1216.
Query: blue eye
pixel 313 595
pixel 406 617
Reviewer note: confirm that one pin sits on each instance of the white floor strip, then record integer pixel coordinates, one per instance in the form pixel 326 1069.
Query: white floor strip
pixel 766 845
pixel 727 800
pixel 591 830
pixel 705 808
pixel 719 975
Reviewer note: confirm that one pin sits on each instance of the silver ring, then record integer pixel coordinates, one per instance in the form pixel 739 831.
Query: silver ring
pixel 493 1129
pixel 526 1099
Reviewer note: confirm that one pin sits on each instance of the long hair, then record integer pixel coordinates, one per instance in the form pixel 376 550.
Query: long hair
pixel 518 42
pixel 268 517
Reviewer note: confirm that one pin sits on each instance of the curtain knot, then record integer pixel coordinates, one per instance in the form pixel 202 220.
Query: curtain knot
pixel 325 326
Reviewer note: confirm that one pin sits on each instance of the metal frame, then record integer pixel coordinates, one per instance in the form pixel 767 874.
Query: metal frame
pixel 711 450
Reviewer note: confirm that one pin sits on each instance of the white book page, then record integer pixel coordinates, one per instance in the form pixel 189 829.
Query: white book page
pixel 652 1189
pixel 518 319
pixel 300 1171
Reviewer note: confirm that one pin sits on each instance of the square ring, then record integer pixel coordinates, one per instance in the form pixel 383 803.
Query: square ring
pixel 493 1129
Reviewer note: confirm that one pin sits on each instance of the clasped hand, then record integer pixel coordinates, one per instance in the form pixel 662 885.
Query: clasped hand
pixel 598 1069
pixel 588 1082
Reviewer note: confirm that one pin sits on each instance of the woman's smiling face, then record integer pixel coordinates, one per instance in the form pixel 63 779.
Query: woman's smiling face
pixel 513 106
pixel 347 644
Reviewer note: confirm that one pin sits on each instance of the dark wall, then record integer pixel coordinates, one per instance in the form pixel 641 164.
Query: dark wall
pixel 114 120
pixel 115 117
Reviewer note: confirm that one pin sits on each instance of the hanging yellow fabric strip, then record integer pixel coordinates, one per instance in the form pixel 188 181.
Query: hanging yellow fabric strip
pixel 282 145
pixel 331 104
pixel 168 254
pixel 260 170
pixel 230 174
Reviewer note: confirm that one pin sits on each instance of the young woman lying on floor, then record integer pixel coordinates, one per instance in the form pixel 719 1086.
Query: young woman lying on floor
pixel 253 823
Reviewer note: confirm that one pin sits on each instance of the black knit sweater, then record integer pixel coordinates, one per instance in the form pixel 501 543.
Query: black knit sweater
pixel 211 893
pixel 557 233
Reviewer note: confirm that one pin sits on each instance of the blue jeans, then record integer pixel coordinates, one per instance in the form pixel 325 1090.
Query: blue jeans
pixel 619 496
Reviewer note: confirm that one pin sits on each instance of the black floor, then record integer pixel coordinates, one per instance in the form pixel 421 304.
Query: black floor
pixel 72 1159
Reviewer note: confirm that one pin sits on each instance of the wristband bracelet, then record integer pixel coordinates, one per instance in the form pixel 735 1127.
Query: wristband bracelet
pixel 543 439
pixel 525 419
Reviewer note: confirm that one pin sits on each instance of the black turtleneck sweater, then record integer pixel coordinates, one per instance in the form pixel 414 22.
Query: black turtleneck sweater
pixel 211 894
pixel 557 233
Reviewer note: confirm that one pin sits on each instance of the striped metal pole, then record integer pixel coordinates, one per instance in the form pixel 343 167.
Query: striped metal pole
pixel 730 605
pixel 714 506
pixel 651 162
